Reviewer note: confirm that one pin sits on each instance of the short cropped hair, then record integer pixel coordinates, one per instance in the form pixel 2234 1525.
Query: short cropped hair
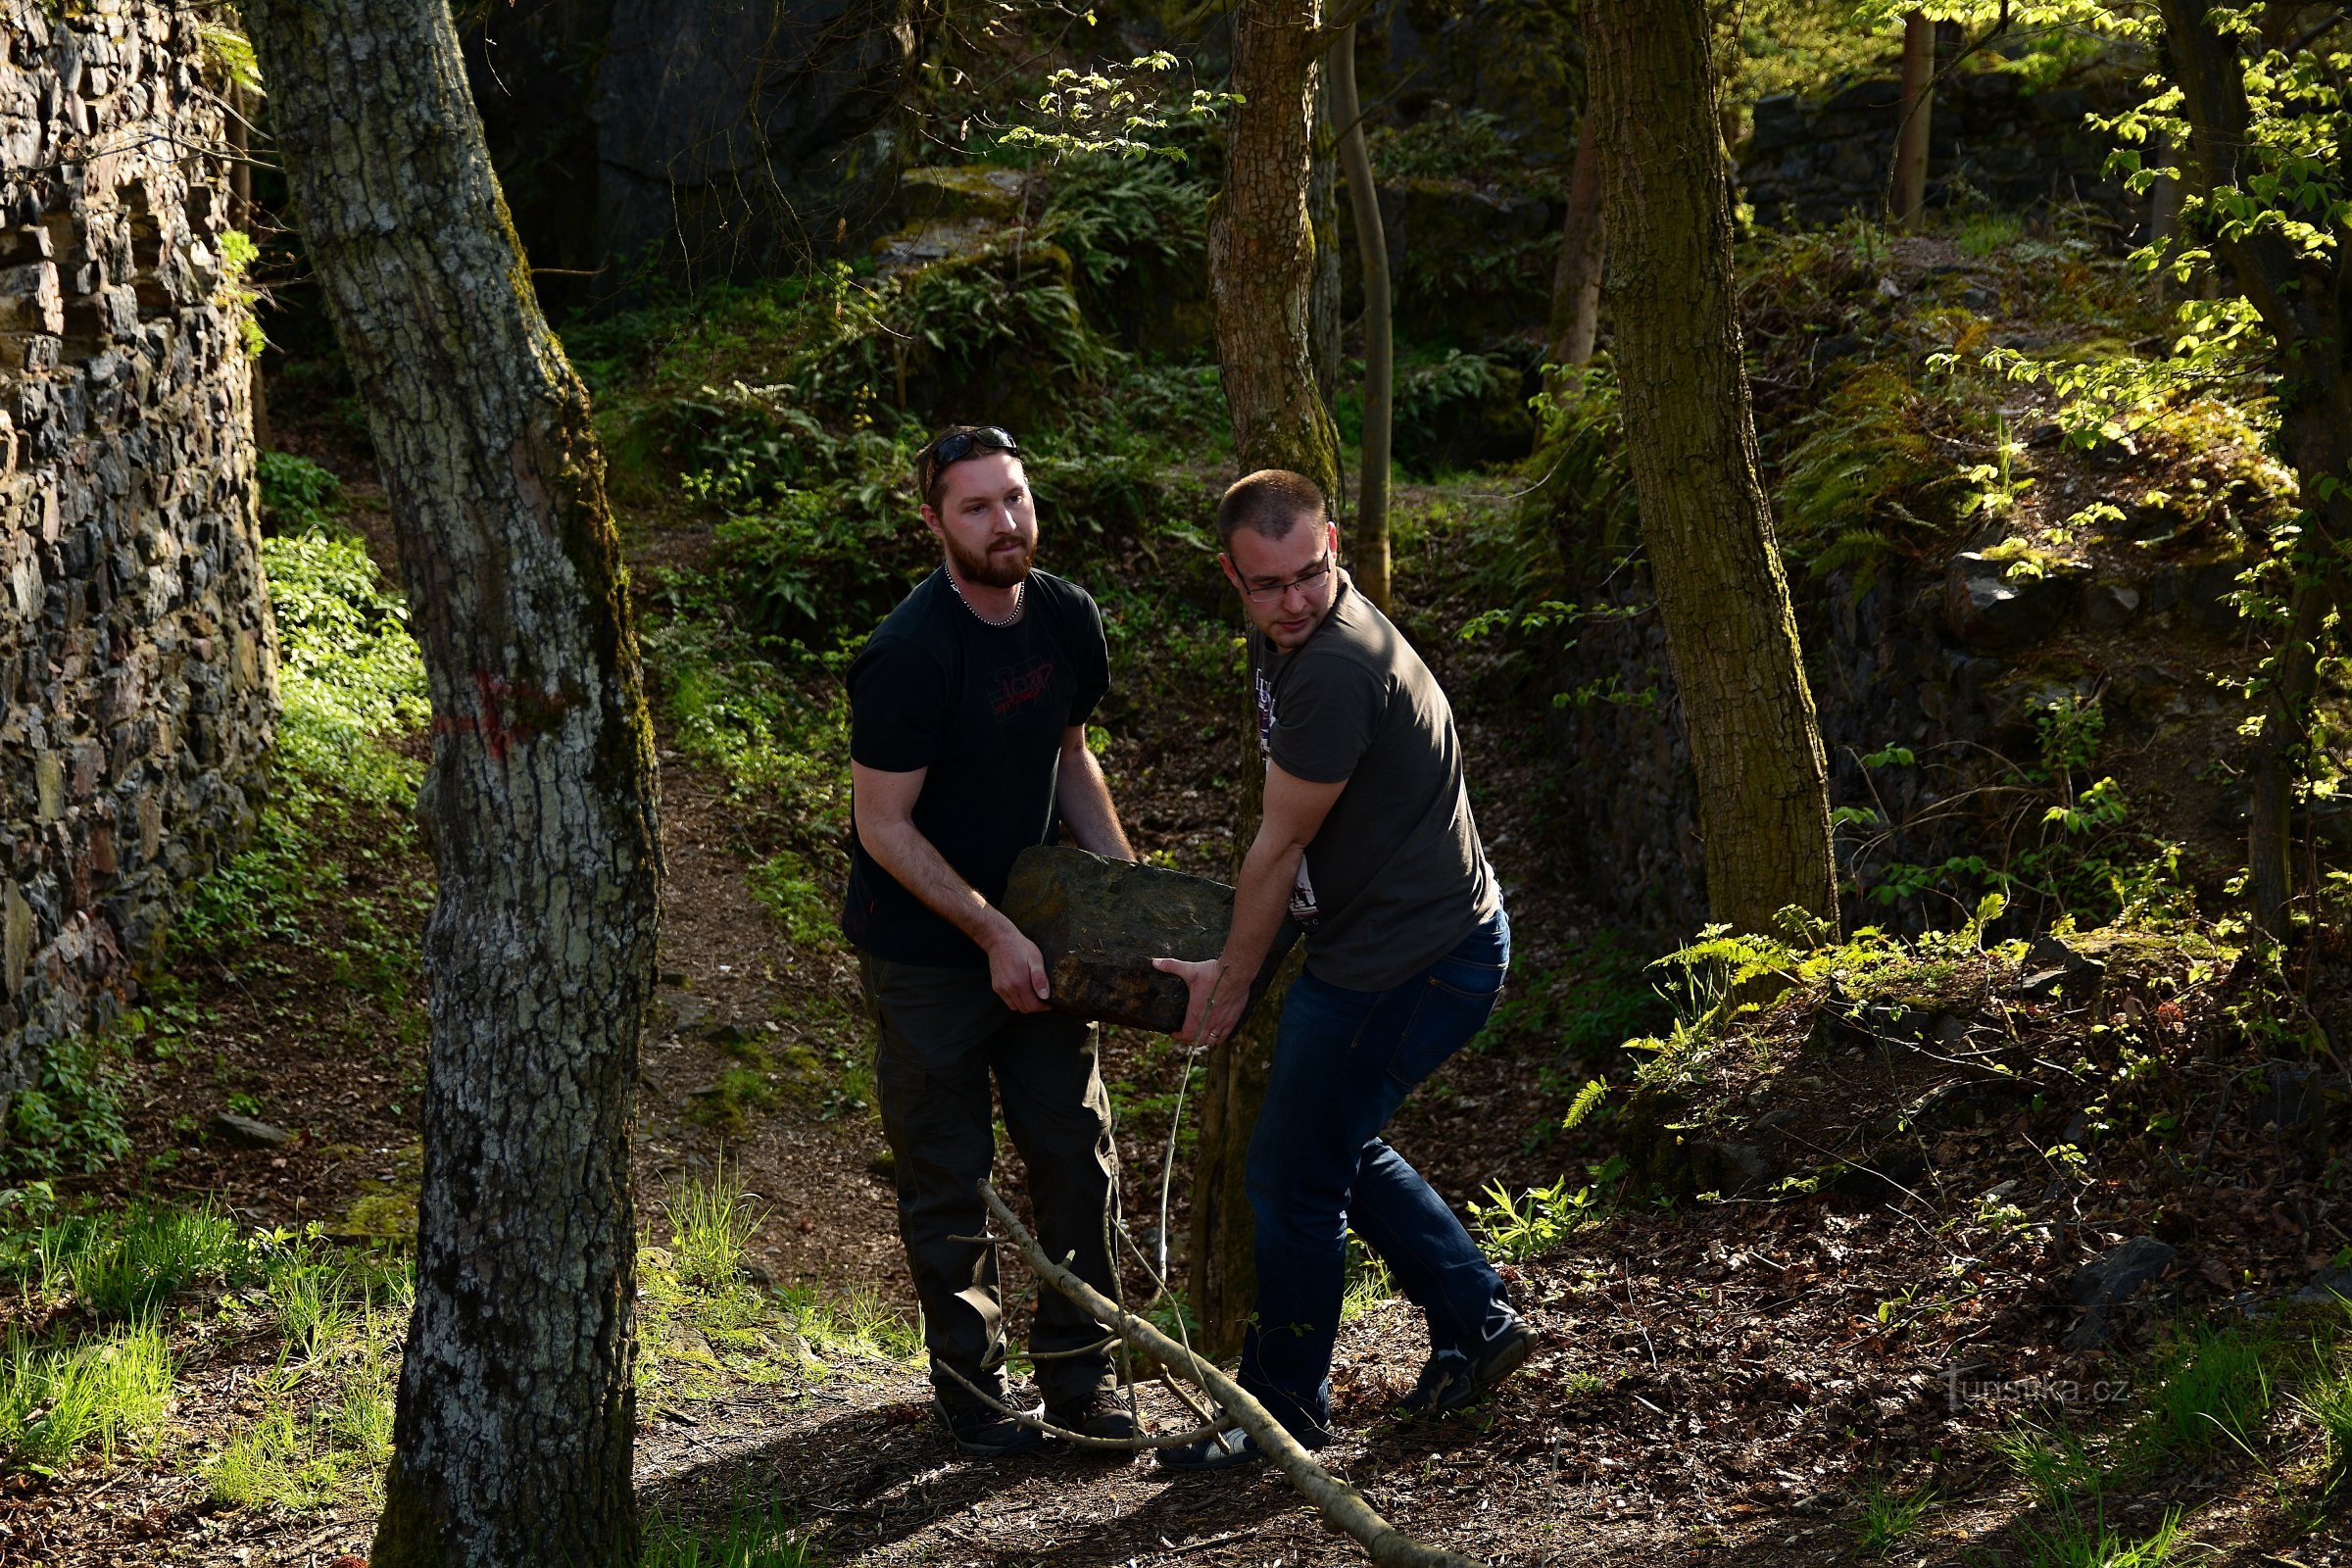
pixel 1270 502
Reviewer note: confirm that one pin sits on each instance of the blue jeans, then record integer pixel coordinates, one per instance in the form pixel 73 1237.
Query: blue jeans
pixel 1343 1063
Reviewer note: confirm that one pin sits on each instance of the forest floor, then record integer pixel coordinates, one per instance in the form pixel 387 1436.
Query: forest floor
pixel 1826 1289
pixel 1842 1373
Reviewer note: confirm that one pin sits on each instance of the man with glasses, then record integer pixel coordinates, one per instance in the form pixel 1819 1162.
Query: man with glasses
pixel 967 745
pixel 1367 838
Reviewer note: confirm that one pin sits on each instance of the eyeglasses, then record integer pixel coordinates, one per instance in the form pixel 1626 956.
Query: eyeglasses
pixel 957 445
pixel 1309 581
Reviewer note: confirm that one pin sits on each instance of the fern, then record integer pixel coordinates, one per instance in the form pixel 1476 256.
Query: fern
pixel 1587 1099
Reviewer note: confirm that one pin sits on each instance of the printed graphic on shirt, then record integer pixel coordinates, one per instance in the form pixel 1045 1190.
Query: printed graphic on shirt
pixel 1304 908
pixel 1010 688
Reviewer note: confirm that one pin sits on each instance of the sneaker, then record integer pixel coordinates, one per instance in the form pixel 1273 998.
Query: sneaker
pixel 983 1431
pixel 1102 1414
pixel 1453 1379
pixel 1220 1451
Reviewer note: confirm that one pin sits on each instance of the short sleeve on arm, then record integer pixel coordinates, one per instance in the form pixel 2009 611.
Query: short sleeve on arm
pixel 898 707
pixel 1324 720
pixel 1094 662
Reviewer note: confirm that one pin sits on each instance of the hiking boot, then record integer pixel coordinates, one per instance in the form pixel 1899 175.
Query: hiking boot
pixel 1453 1380
pixel 1102 1414
pixel 985 1432
pixel 1221 1450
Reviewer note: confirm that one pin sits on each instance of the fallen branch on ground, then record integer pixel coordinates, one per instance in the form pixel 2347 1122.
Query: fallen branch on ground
pixel 1342 1506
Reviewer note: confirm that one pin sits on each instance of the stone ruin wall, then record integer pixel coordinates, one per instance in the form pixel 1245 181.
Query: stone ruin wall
pixel 138 662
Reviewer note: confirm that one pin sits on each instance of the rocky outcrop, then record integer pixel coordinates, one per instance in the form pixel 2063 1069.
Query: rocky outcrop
pixel 688 141
pixel 137 658
pixel 1957 662
pixel 1810 163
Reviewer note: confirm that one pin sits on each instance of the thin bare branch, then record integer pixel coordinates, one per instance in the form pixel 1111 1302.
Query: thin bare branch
pixel 1342 1506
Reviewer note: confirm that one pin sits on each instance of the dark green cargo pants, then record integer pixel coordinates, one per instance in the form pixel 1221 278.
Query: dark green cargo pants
pixel 942 1034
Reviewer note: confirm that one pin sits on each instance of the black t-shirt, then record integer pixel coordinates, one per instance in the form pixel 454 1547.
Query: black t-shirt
pixel 984 708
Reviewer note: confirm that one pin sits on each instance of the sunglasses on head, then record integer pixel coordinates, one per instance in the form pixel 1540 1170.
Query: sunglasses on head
pixel 957 445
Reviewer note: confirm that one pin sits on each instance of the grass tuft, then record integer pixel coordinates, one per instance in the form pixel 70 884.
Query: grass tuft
pixel 1888 1516
pixel 57 1400
pixel 712 1225
pixel 749 1537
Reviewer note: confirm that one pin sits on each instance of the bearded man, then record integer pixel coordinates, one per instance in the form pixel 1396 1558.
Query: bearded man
pixel 967 745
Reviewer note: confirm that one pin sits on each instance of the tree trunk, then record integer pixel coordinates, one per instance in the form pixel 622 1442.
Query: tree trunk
pixel 1918 111
pixel 515 1409
pixel 1756 744
pixel 1261 268
pixel 1262 248
pixel 1370 554
pixel 243 104
pixel 2304 305
pixel 1576 283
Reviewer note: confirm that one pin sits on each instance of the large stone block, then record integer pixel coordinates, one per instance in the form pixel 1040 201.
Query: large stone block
pixel 1100 922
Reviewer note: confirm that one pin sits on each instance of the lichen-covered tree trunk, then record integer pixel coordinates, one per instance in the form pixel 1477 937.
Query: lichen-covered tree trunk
pixel 1261 247
pixel 1747 713
pixel 2306 304
pixel 515 1409
pixel 1370 552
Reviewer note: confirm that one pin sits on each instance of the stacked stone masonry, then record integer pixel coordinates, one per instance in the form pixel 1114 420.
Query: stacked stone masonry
pixel 138 662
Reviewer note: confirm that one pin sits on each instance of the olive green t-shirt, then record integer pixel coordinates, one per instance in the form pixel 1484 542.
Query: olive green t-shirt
pixel 1397 876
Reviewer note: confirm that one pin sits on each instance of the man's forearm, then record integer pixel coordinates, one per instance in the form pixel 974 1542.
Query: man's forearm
pixel 1259 902
pixel 901 849
pixel 1086 808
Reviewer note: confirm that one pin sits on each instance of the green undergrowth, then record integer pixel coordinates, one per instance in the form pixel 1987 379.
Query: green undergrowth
pixel 334 875
pixel 265 1363
pixel 2261 1395
pixel 707 1323
pixel 746 1535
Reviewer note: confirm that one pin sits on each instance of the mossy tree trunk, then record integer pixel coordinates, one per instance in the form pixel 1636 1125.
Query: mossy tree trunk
pixel 1261 271
pixel 516 1410
pixel 1747 713
pixel 2306 304
pixel 1261 247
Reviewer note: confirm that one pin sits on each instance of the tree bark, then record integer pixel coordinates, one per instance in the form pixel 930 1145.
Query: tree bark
pixel 516 1408
pixel 1262 248
pixel 1576 283
pixel 2305 304
pixel 1755 743
pixel 1918 112
pixel 1370 556
pixel 1261 264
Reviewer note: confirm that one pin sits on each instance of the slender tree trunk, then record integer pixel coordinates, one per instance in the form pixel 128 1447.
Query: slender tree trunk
pixel 1323 217
pixel 1261 248
pixel 1763 797
pixel 516 1409
pixel 1261 267
pixel 2306 305
pixel 1576 283
pixel 242 106
pixel 1370 554
pixel 1918 113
